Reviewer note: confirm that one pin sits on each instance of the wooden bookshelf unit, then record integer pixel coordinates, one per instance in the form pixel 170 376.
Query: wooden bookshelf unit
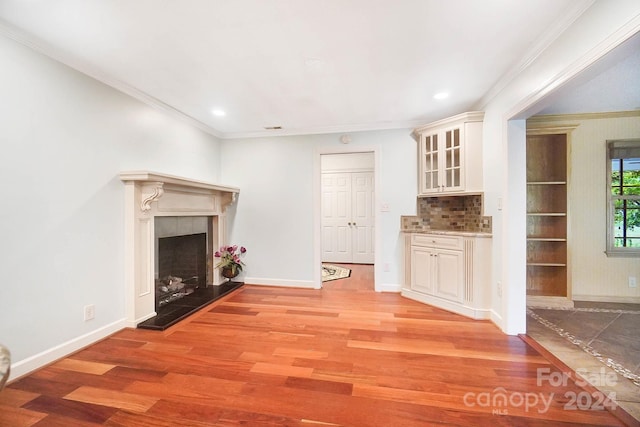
pixel 547 215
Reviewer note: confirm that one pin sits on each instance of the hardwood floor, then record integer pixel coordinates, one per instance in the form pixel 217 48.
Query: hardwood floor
pixel 266 356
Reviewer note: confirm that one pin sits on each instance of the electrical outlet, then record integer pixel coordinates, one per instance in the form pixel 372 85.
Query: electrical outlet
pixel 386 266
pixel 632 282
pixel 89 312
pixel 499 289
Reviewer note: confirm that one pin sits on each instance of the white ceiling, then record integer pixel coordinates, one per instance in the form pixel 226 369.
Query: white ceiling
pixel 310 66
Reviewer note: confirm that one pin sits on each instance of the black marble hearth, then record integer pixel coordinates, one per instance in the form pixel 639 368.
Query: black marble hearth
pixel 172 313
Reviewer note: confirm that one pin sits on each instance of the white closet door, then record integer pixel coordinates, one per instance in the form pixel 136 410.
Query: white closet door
pixel 336 217
pixel 347 217
pixel 362 212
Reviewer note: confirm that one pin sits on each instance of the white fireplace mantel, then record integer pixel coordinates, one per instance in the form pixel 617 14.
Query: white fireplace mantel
pixel 151 194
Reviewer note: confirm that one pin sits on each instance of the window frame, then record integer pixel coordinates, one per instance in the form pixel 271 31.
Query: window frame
pixel 611 250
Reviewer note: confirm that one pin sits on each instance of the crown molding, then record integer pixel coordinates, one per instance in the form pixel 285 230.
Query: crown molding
pixel 85 68
pixel 582 116
pixel 469 116
pixel 324 130
pixel 548 37
pixel 624 33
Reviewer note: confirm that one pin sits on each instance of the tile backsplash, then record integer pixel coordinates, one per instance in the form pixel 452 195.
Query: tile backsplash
pixel 453 213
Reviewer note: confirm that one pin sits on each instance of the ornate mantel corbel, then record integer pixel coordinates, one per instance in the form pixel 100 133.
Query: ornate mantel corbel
pixel 151 192
pixel 228 199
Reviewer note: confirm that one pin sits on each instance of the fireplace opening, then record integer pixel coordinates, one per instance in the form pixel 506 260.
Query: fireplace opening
pixel 182 267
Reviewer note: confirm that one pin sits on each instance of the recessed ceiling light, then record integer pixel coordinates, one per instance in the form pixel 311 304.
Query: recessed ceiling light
pixel 218 112
pixel 314 63
pixel 441 95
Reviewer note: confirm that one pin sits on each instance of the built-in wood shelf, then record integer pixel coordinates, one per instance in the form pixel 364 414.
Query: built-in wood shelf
pixel 547 215
pixel 546 264
pixel 547 183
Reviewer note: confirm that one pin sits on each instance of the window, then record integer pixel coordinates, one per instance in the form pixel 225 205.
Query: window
pixel 623 167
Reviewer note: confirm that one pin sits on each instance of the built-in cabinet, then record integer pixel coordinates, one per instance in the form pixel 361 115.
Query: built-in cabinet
pixel 450 155
pixel 547 273
pixel 448 245
pixel 437 266
pixel 449 270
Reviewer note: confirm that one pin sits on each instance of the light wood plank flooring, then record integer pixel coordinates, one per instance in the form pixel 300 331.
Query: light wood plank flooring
pixel 267 356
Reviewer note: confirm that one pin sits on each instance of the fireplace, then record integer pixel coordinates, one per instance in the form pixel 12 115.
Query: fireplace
pixel 159 207
pixel 182 267
pixel 183 246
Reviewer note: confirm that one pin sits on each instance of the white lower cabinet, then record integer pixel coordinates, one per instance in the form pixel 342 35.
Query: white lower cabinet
pixel 437 272
pixel 449 271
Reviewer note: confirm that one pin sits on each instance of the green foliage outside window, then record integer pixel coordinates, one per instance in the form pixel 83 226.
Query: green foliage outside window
pixel 625 189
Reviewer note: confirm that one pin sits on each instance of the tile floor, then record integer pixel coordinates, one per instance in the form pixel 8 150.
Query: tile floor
pixel 600 341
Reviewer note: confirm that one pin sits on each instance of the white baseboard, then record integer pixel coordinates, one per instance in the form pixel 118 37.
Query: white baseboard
pixel 30 364
pixel 135 323
pixel 600 298
pixel 388 287
pixel 309 284
pixel 455 307
pixel 496 318
pixel 280 282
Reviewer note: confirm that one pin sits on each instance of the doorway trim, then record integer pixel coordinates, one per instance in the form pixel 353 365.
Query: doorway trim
pixel 317 204
pixel 513 121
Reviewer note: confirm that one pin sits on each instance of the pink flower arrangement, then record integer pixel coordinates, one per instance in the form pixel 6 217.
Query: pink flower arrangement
pixel 230 258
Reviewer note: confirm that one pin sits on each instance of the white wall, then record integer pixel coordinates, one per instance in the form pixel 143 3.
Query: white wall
pixel 347 162
pixel 64 139
pixel 594 275
pixel 601 28
pixel 274 215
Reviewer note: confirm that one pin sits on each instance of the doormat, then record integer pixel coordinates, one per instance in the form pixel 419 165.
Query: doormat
pixel 334 272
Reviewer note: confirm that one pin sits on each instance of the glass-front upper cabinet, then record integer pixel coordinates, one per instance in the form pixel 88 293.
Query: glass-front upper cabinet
pixel 450 155
pixel 430 165
pixel 452 169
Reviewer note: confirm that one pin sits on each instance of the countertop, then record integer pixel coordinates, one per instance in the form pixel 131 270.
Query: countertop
pixel 449 232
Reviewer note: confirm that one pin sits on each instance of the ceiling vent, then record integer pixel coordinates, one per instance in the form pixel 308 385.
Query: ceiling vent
pixel 273 127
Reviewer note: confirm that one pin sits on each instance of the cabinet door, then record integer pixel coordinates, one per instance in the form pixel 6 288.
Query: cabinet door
pixel 422 270
pixel 448 274
pixel 430 180
pixel 452 160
